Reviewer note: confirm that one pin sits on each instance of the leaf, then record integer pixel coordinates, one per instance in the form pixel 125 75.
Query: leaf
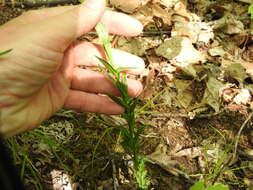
pixel 211 96
pixel 190 70
pixel 141 174
pixel 123 88
pixel 218 186
pixel 118 100
pixel 120 69
pixel 250 11
pixel 108 66
pixel 169 49
pixel 236 71
pixel 199 185
pixel 184 93
pixel 5 52
pixel 103 35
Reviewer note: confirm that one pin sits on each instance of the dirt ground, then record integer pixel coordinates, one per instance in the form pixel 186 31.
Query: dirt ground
pixel 196 106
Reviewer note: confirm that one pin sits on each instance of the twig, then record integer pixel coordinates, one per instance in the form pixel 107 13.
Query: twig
pixel 38 3
pixel 232 158
pixel 115 181
pixel 171 115
pixel 239 135
pixel 171 168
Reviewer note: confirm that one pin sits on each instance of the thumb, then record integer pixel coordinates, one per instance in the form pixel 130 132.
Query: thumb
pixel 60 30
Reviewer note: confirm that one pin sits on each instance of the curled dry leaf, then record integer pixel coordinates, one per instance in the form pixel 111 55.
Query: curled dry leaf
pixel 229 25
pixel 243 97
pixel 181 50
pixel 189 152
pixel 137 46
pixel 167 3
pixel 146 14
pixel 217 51
pixel 235 98
pixel 128 6
pixel 161 158
pixel 190 25
pixel 189 54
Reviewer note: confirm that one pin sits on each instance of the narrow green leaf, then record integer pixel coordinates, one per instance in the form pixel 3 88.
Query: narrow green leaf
pixel 120 69
pixel 118 100
pixel 5 52
pixel 103 35
pixel 250 11
pixel 108 66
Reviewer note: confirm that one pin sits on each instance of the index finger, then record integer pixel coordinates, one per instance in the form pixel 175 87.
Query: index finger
pixel 117 23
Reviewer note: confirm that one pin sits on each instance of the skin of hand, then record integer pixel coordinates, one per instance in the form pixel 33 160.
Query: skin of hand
pixel 45 72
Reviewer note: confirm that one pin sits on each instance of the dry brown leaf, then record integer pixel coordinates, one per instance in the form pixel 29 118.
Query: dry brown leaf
pixel 229 25
pixel 189 152
pixel 146 14
pixel 190 25
pixel 167 3
pixel 217 51
pixel 128 6
pixel 161 158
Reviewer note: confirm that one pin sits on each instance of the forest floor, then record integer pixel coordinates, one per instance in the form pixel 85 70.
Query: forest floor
pixel 197 106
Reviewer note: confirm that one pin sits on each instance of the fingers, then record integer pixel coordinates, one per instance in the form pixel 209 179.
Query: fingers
pixel 121 24
pixel 86 102
pixel 117 23
pixel 95 82
pixel 85 54
pixel 60 30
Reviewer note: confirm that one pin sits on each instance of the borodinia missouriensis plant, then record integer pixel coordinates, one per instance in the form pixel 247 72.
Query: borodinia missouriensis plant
pixel 130 133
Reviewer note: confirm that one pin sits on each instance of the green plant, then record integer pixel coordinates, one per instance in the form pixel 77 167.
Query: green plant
pixel 131 133
pixel 200 185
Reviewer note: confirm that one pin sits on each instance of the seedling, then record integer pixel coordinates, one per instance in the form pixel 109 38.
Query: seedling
pixel 131 133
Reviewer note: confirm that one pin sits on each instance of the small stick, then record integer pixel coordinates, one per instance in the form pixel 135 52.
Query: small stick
pixel 239 135
pixel 115 181
pixel 232 158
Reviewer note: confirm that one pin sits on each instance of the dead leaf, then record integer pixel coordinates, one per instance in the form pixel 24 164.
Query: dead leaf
pixel 217 51
pixel 211 96
pixel 184 93
pixel 181 50
pixel 235 71
pixel 146 14
pixel 243 97
pixel 161 158
pixel 128 6
pixel 136 46
pixel 229 25
pixel 189 152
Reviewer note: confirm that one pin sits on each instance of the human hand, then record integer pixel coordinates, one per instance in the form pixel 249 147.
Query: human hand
pixel 42 73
